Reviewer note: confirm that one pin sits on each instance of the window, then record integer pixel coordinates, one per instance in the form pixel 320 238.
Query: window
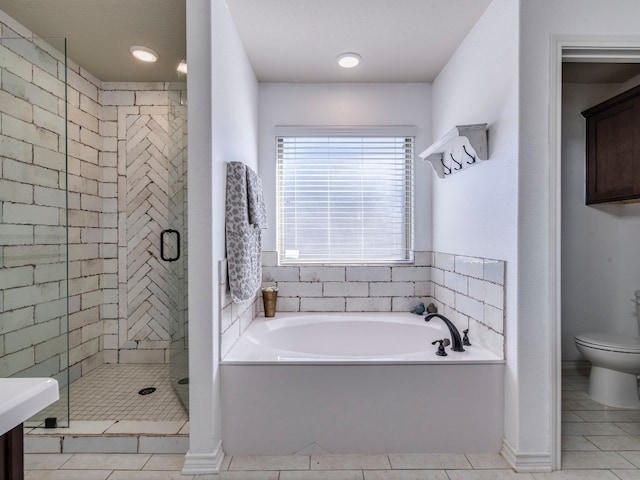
pixel 345 198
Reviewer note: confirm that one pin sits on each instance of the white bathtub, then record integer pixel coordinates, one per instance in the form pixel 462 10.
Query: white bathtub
pixel 358 383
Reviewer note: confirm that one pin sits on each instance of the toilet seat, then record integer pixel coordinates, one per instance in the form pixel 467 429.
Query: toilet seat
pixel 613 342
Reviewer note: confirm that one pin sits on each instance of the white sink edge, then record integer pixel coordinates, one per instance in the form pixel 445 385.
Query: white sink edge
pixel 21 398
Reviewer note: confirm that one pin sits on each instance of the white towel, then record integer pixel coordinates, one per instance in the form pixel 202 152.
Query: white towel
pixel 244 250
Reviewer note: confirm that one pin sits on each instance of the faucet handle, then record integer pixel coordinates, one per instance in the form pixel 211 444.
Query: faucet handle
pixel 465 338
pixel 442 343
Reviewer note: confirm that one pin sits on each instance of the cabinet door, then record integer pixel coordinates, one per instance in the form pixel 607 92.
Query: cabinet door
pixel 613 153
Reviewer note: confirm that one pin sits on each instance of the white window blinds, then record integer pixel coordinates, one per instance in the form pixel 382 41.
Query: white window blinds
pixel 345 199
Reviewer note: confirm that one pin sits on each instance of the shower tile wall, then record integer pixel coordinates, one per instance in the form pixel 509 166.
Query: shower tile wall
pixel 101 117
pixel 137 325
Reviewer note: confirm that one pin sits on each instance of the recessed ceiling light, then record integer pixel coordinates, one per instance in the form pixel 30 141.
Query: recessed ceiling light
pixel 349 60
pixel 144 54
pixel 182 67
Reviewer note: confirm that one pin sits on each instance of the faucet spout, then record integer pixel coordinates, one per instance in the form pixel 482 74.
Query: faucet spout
pixel 456 340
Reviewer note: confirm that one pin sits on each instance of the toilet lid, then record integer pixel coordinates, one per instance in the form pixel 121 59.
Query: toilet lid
pixel 610 341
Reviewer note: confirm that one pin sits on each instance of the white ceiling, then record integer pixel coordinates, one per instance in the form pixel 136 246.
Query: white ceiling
pixel 100 32
pixel 399 40
pixel 286 40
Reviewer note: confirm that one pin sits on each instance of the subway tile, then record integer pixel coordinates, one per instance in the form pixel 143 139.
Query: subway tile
pixel 456 282
pixel 470 307
pixel 444 261
pixel 346 289
pixel 368 304
pixel 322 274
pixel 423 258
pixel 368 274
pixel 391 289
pixel 328 304
pixel 493 271
pixel 280 274
pixel 410 274
pixel 469 266
pixel 300 289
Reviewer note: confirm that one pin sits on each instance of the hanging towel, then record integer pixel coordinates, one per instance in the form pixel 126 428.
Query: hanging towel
pixel 244 250
pixel 257 210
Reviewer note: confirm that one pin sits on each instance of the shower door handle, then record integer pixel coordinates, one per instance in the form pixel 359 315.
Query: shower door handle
pixel 162 254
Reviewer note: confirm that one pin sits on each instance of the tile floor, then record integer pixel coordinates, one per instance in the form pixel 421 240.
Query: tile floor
pixel 599 443
pixel 110 392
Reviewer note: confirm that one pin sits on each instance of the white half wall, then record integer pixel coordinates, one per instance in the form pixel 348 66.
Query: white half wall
pixel 222 114
pixel 340 104
pixel 600 263
pixel 475 211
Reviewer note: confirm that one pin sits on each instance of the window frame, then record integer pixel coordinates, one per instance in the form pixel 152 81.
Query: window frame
pixel 407 131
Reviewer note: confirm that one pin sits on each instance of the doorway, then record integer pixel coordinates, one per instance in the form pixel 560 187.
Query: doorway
pixel 582 53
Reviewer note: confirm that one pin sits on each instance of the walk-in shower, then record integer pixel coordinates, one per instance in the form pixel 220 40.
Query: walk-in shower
pixel 93 228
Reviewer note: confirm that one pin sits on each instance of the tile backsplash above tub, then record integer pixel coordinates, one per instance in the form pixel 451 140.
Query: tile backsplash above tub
pixel 323 288
pixel 468 290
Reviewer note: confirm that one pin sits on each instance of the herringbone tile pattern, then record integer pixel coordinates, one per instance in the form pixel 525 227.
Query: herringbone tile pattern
pixel 148 288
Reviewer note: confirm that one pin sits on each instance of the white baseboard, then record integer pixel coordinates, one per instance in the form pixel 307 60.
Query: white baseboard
pixel 203 463
pixel 526 462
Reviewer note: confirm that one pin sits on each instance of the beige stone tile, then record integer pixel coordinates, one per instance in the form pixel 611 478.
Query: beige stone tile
pixel 632 428
pixel 615 442
pixel 487 475
pixel 481 461
pixel 148 475
pixel 146 426
pixel 576 475
pixel 591 429
pixel 247 475
pixel 225 462
pixel 322 475
pixel 185 429
pixel 269 462
pixel 593 460
pixel 165 462
pixel 349 462
pixel 622 475
pixel 576 443
pixel 605 415
pixel 633 457
pixel 67 475
pixel 405 475
pixel 45 461
pixel 97 461
pixel 571 417
pixel 436 461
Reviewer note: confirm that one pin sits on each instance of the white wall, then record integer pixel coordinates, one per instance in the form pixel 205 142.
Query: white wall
pixel 475 210
pixel 540 21
pixel 222 98
pixel 600 262
pixel 345 104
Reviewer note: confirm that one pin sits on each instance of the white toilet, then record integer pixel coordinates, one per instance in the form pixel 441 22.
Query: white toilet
pixel 615 366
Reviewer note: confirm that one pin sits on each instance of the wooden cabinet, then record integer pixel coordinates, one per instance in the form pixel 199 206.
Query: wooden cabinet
pixel 613 149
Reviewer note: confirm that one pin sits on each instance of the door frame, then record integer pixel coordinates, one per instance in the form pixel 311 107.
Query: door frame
pixel 583 48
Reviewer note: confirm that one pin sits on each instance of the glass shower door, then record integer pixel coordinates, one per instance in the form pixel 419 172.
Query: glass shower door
pixel 34 325
pixel 174 241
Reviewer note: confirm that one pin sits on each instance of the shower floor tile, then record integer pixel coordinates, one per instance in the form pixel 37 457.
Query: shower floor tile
pixel 111 392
